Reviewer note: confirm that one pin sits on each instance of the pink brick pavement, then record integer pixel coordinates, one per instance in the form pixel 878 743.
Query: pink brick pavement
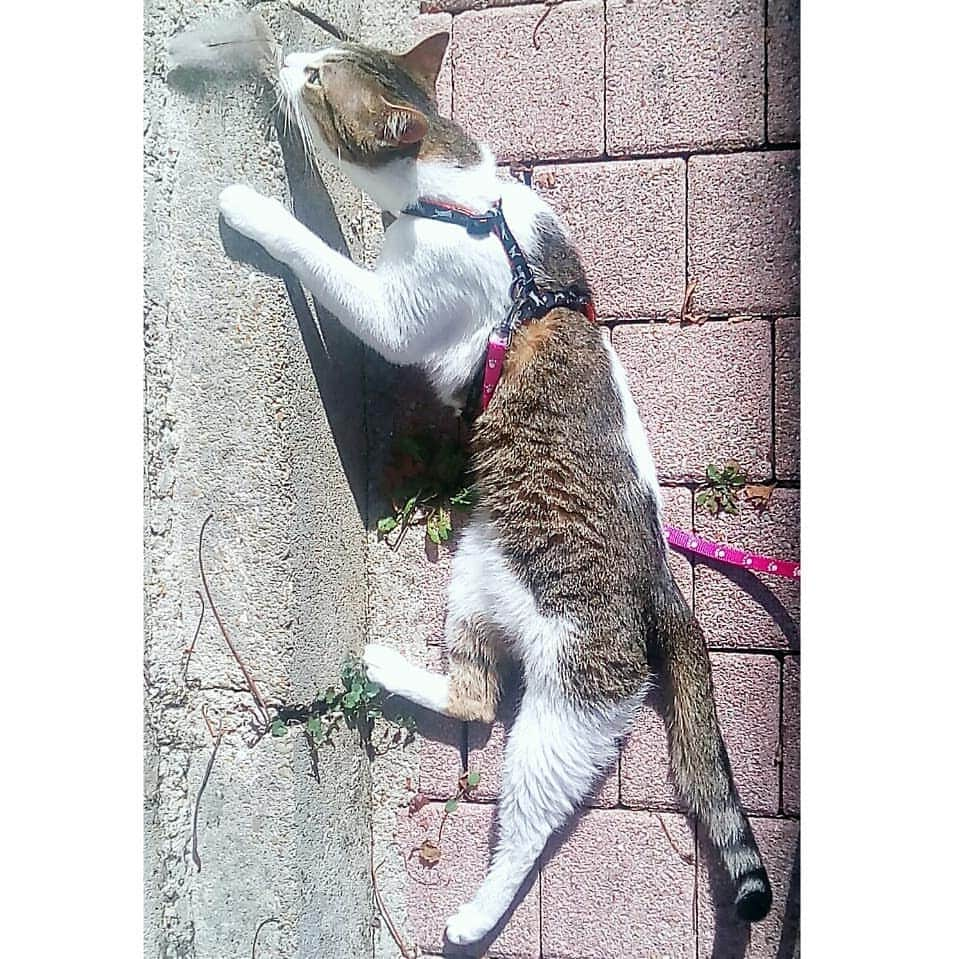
pixel 667 136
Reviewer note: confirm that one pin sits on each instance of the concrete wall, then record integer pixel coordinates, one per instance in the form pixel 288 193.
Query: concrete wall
pixel 253 415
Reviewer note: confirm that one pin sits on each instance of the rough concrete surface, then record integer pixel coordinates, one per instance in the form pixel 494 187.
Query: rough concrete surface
pixel 250 419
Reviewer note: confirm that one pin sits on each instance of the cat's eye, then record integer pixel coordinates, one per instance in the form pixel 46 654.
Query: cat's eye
pixel 313 75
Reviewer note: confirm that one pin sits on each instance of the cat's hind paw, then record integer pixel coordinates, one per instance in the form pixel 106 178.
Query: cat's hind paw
pixel 467 925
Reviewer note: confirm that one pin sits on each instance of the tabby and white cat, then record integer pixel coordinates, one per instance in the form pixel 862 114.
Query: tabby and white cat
pixel 562 568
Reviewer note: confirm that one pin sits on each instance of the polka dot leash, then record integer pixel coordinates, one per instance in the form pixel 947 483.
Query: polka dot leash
pixel 729 554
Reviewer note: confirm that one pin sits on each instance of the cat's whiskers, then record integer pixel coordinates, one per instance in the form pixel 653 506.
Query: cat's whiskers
pixel 306 135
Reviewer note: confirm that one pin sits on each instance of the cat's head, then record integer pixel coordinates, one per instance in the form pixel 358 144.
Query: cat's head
pixel 367 106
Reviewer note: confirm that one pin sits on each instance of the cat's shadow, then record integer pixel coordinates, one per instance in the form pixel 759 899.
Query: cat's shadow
pixel 336 356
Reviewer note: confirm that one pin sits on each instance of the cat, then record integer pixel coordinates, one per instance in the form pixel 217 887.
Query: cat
pixel 562 567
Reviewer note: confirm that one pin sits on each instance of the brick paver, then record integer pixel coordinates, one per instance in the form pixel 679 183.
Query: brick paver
pixel 683 75
pixel 740 609
pixel 744 233
pixel 703 393
pixel 528 103
pixel 747 703
pixel 782 43
pixel 664 133
pixel 436 891
pixel 645 780
pixel 791 735
pixel 787 398
pixel 643 204
pixel 721 935
pixel 621 884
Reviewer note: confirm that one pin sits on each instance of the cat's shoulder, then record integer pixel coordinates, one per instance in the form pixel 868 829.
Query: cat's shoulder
pixel 522 202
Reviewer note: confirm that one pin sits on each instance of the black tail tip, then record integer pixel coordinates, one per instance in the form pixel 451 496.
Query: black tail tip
pixel 754 896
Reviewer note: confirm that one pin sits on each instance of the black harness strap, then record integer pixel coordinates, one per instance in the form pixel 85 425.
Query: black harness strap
pixel 529 302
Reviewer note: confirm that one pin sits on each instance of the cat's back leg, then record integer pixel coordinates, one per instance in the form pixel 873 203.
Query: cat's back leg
pixel 556 751
pixel 472 688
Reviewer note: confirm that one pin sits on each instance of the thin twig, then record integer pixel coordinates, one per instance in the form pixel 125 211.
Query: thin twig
pixel 250 682
pixel 321 22
pixel 196 809
pixel 439 833
pixel 257 934
pixel 548 4
pixel 314 756
pixel 684 856
pixel 405 950
pixel 196 634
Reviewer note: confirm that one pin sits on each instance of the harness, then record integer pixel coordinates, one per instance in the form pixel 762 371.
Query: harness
pixel 529 300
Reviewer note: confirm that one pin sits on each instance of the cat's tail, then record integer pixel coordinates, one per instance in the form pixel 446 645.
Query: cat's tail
pixel 699 760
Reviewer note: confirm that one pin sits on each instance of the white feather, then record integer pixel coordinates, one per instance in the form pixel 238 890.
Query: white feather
pixel 233 46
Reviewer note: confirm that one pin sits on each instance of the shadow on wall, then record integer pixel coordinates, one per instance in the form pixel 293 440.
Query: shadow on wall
pixel 335 355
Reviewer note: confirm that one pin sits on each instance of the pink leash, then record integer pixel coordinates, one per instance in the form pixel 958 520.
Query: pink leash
pixel 729 554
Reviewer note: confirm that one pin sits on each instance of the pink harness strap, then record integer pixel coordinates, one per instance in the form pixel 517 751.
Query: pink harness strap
pixel 729 554
pixel 495 354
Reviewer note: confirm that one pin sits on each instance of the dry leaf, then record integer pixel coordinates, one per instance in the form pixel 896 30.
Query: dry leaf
pixel 687 298
pixel 429 853
pixel 546 180
pixel 759 496
pixel 417 803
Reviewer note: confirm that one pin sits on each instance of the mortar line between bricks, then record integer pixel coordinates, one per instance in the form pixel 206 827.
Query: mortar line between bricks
pixel 452 68
pixel 660 809
pixel 692 558
pixel 679 153
pixel 693 485
pixel 686 226
pixel 696 887
pixel 782 727
pixel 774 651
pixel 539 889
pixel 605 72
pixel 673 319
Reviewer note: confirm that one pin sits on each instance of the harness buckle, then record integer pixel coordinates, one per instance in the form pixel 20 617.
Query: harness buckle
pixel 481 225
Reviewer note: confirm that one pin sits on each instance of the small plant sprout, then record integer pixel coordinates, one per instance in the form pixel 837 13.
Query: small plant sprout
pixel 430 851
pixel 722 489
pixel 426 481
pixel 357 705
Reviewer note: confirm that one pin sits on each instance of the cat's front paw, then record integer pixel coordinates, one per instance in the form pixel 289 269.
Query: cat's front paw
pixel 252 214
pixel 467 925
pixel 385 666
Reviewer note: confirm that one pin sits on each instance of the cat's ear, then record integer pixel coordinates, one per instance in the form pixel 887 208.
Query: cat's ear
pixel 402 124
pixel 423 62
